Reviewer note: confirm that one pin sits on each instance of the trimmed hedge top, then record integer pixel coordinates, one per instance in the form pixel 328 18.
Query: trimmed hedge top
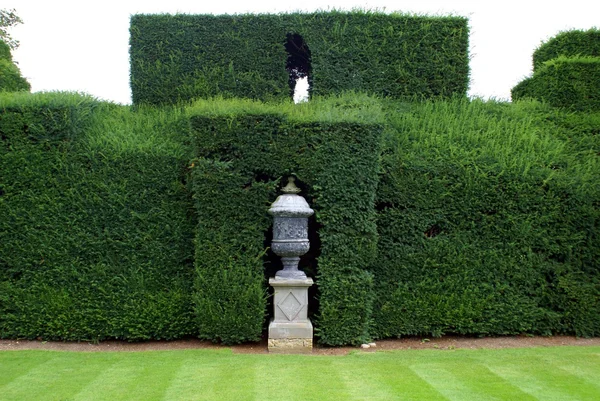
pixel 349 107
pixel 181 57
pixel 569 44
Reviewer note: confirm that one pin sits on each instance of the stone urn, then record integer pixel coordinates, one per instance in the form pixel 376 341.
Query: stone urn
pixel 290 230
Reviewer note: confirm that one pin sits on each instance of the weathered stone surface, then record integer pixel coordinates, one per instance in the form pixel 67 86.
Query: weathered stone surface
pixel 285 248
pixel 290 230
pixel 291 329
pixel 290 299
pixel 290 345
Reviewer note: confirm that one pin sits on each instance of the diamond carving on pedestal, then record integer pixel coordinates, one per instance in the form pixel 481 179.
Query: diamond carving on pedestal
pixel 290 306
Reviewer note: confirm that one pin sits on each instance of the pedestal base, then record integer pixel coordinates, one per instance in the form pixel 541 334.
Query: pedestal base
pixel 290 337
pixel 290 331
pixel 290 345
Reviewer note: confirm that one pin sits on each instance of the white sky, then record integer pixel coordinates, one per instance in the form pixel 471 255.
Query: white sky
pixel 83 46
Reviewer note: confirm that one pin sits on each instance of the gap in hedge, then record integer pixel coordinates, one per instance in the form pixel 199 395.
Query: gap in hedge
pixel 298 67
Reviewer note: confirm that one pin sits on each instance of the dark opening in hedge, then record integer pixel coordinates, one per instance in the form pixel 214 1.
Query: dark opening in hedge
pixel 298 61
pixel 433 231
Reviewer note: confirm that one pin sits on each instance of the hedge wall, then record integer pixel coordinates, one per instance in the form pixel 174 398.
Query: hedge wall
pixel 574 43
pixel 458 217
pixel 488 222
pixel 243 156
pixel 573 83
pixel 180 57
pixel 95 235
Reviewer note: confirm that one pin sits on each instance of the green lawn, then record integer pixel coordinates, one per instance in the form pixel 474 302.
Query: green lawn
pixel 562 373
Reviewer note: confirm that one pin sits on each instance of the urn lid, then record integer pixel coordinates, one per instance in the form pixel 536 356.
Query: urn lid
pixel 290 204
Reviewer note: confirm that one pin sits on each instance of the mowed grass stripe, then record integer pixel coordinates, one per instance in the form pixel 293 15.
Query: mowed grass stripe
pixel 59 378
pixel 370 377
pixel 15 364
pixel 546 374
pixel 578 365
pixel 544 380
pixel 221 376
pixel 295 377
pixel 139 376
pixel 440 378
pixel 467 380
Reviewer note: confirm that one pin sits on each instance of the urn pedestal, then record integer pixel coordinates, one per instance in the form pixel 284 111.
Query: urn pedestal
pixel 290 330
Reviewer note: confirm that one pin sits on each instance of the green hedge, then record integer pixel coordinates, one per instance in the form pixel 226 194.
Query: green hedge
pixel 244 150
pixel 566 72
pixel 95 232
pixel 180 57
pixel 574 43
pixel 573 83
pixel 488 223
pixel 230 298
pixel 459 217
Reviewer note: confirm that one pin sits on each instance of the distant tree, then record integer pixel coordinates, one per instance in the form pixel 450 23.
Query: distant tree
pixel 8 19
pixel 11 79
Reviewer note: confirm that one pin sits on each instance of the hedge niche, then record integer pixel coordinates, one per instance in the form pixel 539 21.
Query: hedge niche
pixel 244 151
pixel 181 57
pixel 95 222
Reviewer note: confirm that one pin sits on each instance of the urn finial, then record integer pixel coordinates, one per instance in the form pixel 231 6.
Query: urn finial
pixel 291 187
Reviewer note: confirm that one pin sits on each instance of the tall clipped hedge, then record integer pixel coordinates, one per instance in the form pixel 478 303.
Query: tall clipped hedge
pixel 488 221
pixel 95 228
pixel 574 43
pixel 181 57
pixel 242 157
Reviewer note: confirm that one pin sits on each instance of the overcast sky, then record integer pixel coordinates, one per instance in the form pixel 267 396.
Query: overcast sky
pixel 83 46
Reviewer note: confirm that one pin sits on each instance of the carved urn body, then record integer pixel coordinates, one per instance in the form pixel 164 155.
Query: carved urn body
pixel 290 230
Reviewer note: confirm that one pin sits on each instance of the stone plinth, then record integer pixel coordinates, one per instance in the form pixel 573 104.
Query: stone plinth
pixel 290 331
